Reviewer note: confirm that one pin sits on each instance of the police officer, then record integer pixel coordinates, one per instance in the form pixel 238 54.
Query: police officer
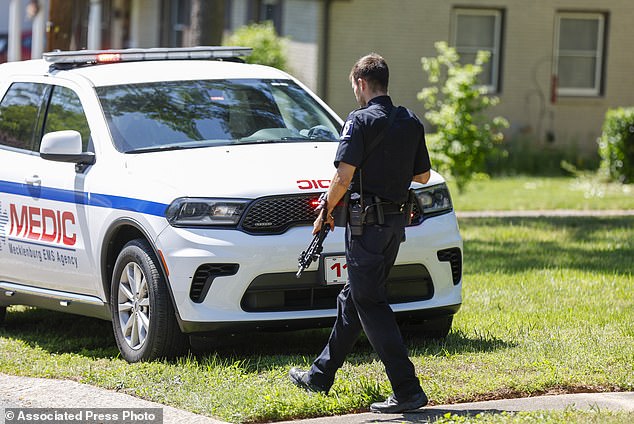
pixel 383 179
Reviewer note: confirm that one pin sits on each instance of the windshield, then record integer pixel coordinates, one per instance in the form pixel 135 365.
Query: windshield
pixel 190 114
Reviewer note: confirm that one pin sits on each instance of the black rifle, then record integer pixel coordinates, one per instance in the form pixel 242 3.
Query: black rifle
pixel 315 247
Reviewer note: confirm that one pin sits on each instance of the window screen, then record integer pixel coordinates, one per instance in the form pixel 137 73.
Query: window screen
pixel 475 30
pixel 579 53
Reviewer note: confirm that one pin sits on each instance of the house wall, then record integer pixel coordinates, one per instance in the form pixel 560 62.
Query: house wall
pixel 301 23
pixel 403 31
pixel 145 18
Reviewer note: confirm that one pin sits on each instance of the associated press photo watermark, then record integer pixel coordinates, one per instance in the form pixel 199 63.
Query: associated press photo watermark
pixel 84 415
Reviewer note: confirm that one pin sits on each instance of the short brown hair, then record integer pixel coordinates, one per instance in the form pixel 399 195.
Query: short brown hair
pixel 373 69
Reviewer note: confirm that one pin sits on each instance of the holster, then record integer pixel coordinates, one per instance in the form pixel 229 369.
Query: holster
pixel 340 212
pixel 408 209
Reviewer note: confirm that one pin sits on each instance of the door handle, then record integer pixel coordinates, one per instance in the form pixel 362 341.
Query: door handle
pixel 35 180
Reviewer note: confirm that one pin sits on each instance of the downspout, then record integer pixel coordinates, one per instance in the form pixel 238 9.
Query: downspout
pixel 324 51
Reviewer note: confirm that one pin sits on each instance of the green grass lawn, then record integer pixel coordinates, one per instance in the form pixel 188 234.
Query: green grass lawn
pixel 531 193
pixel 548 308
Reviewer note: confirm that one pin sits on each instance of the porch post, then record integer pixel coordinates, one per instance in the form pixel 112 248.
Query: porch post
pixel 14 48
pixel 94 25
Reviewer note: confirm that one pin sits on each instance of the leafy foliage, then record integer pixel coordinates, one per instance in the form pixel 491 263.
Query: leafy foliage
pixel 455 104
pixel 268 47
pixel 616 145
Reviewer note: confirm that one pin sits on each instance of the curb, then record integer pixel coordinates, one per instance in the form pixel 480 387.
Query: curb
pixel 621 401
pixel 29 392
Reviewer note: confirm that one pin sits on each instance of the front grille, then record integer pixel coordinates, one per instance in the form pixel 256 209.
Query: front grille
pixel 274 215
pixel 284 292
pixel 454 257
pixel 205 275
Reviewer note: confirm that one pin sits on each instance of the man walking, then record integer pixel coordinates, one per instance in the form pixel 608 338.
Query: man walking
pixel 382 149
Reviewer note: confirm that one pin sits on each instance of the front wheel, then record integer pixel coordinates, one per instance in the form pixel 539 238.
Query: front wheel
pixel 143 317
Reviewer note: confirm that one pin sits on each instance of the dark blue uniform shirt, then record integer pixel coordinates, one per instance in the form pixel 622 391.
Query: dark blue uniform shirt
pixel 388 170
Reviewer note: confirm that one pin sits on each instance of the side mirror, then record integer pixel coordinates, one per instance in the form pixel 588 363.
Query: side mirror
pixel 65 146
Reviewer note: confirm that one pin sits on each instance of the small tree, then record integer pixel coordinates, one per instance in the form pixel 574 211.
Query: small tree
pixel 455 105
pixel 268 47
pixel 616 145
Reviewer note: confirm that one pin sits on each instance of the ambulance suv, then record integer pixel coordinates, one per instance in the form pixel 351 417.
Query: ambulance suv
pixel 171 192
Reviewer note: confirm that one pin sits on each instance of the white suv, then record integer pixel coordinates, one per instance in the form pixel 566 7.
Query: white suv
pixel 171 191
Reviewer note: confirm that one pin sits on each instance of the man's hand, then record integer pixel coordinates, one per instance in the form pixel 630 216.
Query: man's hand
pixel 319 221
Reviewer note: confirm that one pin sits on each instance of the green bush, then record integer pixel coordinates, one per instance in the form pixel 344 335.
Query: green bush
pixel 616 145
pixel 522 154
pixel 464 135
pixel 268 48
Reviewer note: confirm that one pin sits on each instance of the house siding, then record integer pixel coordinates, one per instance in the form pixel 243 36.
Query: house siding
pixel 403 31
pixel 301 24
pixel 302 20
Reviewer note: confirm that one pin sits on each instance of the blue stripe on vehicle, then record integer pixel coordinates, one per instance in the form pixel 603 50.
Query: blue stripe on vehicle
pixel 84 198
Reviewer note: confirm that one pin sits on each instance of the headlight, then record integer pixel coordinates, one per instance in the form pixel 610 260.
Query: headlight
pixel 189 211
pixel 434 200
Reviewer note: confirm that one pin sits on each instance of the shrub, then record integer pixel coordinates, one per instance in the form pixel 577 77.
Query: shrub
pixel 616 145
pixel 522 154
pixel 455 104
pixel 268 47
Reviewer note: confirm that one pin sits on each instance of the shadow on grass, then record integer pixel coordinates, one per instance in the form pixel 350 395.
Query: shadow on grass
pixel 284 348
pixel 583 243
pixel 59 333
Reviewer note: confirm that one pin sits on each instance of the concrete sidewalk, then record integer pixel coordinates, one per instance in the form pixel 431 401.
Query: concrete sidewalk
pixel 552 213
pixel 602 401
pixel 27 392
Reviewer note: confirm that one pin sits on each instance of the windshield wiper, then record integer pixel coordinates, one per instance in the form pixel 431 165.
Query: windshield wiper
pixel 151 149
pixel 270 140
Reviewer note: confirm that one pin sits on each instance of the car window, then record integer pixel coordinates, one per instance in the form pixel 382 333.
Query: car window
pixel 188 114
pixel 20 111
pixel 65 112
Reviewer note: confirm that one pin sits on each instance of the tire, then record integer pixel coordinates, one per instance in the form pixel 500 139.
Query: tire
pixel 432 329
pixel 143 317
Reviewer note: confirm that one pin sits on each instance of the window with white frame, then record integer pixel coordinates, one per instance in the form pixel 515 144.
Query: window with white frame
pixel 579 44
pixel 475 30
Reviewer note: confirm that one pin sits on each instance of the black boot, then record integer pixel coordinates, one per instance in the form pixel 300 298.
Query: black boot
pixel 394 406
pixel 300 379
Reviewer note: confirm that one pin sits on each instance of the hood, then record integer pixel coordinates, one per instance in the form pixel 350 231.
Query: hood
pixel 245 171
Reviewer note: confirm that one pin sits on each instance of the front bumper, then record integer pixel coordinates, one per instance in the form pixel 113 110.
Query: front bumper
pixel 256 289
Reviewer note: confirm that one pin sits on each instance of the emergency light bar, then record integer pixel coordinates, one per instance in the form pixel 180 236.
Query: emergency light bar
pixel 65 59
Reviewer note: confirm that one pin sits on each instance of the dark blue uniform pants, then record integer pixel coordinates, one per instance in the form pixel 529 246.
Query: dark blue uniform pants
pixel 362 305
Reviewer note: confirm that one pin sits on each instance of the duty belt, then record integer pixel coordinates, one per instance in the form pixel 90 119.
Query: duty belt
pixel 376 212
